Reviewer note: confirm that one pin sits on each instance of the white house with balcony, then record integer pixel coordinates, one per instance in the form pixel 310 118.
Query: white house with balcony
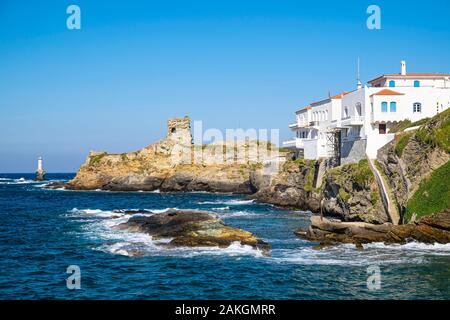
pixel 364 117
pixel 311 127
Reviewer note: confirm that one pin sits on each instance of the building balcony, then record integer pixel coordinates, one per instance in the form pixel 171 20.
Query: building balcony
pixel 352 121
pixel 295 143
pixel 314 124
pixel 296 126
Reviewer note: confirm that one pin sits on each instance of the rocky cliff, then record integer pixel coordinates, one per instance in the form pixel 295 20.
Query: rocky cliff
pixel 292 187
pixel 176 164
pixel 351 193
pixel 412 159
pixel 416 168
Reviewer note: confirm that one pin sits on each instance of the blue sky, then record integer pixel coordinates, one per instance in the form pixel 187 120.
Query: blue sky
pixel 113 84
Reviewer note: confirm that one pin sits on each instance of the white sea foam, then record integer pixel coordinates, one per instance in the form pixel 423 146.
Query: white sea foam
pixel 18 181
pixel 239 214
pixel 221 208
pixel 375 253
pixel 229 202
pixel 123 242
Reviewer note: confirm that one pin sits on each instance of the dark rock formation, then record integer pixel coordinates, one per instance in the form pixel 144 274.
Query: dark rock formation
pixel 292 187
pixel 431 229
pixel 192 228
pixel 55 185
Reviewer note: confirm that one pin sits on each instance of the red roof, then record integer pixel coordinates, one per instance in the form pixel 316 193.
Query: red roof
pixel 340 95
pixel 304 108
pixel 387 92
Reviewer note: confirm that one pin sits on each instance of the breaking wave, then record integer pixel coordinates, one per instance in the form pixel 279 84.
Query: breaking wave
pixel 18 181
pixel 229 202
pixel 126 243
pixel 373 254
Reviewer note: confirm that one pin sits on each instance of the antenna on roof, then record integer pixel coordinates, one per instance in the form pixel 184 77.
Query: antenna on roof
pixel 358 79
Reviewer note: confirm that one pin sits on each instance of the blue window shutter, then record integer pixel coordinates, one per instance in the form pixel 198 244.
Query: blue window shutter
pixel 416 84
pixel 392 83
pixel 384 107
pixel 393 106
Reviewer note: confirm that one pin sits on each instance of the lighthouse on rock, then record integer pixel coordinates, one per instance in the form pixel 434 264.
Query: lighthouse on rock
pixel 40 173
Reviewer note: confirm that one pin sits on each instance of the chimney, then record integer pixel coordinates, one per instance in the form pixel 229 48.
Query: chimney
pixel 403 67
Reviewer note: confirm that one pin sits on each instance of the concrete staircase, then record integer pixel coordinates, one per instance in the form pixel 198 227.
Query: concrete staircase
pixel 388 203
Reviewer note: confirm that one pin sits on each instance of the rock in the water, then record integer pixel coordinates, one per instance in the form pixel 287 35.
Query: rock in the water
pixel 433 229
pixel 55 185
pixel 192 228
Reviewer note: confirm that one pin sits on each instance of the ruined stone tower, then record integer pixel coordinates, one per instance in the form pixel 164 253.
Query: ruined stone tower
pixel 179 130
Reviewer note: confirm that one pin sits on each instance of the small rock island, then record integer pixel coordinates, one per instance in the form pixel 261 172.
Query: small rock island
pixel 192 228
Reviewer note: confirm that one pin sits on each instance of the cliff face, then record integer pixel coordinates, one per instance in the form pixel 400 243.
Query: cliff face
pixel 350 193
pixel 412 158
pixel 292 187
pixel 175 164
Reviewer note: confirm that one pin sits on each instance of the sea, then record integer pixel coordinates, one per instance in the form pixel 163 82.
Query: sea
pixel 48 237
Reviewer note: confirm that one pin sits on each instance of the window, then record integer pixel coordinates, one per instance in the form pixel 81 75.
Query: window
pixel 392 83
pixel 358 109
pixel 345 112
pixel 417 107
pixel 382 128
pixel 393 106
pixel 416 84
pixel 384 106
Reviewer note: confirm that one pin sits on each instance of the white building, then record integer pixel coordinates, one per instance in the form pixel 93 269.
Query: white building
pixel 313 123
pixel 359 122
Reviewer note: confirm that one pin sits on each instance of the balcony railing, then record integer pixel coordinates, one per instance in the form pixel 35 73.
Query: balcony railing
pixel 353 121
pixel 294 143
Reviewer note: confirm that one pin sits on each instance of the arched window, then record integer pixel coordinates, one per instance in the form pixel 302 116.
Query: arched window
pixel 358 109
pixel 392 83
pixel 384 106
pixel 417 107
pixel 416 84
pixel 393 106
pixel 326 115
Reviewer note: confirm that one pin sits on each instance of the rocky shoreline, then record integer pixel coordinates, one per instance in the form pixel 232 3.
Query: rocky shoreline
pixel 192 228
pixel 430 229
pixel 348 193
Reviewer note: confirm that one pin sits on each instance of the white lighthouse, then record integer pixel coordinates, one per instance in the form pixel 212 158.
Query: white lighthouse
pixel 40 173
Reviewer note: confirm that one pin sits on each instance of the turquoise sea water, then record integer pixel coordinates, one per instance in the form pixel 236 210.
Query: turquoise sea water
pixel 42 232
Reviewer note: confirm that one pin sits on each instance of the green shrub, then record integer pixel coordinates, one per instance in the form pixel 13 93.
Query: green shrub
pixel 437 135
pixel 343 195
pixel 433 194
pixel 96 159
pixel 400 126
pixel 401 144
pixel 363 175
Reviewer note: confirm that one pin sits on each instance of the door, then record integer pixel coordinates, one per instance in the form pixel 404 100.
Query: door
pixel 382 128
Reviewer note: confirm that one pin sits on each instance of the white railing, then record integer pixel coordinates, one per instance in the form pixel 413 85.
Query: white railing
pixel 353 120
